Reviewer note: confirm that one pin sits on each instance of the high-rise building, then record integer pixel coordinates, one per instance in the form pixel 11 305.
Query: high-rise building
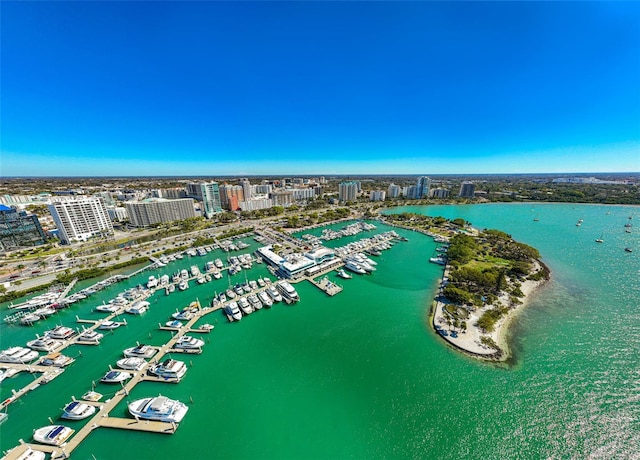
pixel 467 190
pixel 80 219
pixel 393 191
pixel 377 195
pixel 230 196
pixel 439 193
pixel 19 229
pixel 157 210
pixel 300 194
pixel 282 198
pixel 246 188
pixel 208 193
pixel 348 191
pixel 422 187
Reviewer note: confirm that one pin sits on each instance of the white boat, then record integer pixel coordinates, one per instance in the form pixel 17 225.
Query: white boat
pixel 138 308
pixel 218 263
pixel 206 327
pixel 243 303
pixel 131 364
pixel 261 282
pixel 160 408
pixel 53 435
pixel 77 410
pixel 184 315
pixel 92 396
pixel 90 336
pixel 29 319
pixel 7 373
pixel 184 274
pixel 18 355
pixel 187 342
pixel 222 298
pixel 230 293
pixel 265 299
pixel 44 344
pixel 115 377
pixel 438 260
pixel 111 308
pixel 140 351
pixel 169 370
pixel 31 454
pixel 217 275
pixel 184 285
pixel 232 310
pixel 238 289
pixel 201 280
pixel 343 274
pixel 195 271
pixel 175 323
pixel 354 267
pixel 55 359
pixel 169 289
pixel 60 333
pixel 288 292
pixel 274 294
pixel 44 311
pixel 255 302
pixel 109 325
pixel 152 283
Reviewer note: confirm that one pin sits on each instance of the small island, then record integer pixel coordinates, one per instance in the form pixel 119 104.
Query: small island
pixel 488 277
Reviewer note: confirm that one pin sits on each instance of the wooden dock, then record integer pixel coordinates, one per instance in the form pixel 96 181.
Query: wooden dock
pixel 138 425
pixel 327 286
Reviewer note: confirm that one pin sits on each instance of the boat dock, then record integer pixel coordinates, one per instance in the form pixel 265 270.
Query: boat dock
pixel 328 287
pixel 48 373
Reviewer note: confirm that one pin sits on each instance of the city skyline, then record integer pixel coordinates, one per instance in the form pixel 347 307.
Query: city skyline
pixel 266 88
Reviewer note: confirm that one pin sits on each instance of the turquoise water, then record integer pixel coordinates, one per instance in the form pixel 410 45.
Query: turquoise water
pixel 360 375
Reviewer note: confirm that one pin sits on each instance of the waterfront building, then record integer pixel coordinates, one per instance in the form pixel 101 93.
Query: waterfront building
pixel 231 196
pixel 208 193
pixel 377 195
pixel 439 193
pixel 348 191
pixel 393 191
pixel 282 198
pixel 422 187
pixel 157 210
pixel 292 265
pixel 254 205
pixel 80 218
pixel 19 229
pixel 301 194
pixel 467 190
pixel 246 188
pixel 411 192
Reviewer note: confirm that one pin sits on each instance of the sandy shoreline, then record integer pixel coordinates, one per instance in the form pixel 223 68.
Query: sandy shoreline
pixel 469 341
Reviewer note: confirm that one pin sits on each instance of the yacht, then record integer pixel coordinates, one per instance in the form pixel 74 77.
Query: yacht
pixel 169 289
pixel 109 325
pixel 261 283
pixel 44 344
pixel 184 274
pixel 246 288
pixel 44 311
pixel 222 298
pixel 354 267
pixel 255 302
pixel 77 410
pixel 195 271
pixel 184 315
pixel 243 303
pixel 161 409
pixel 238 289
pixel 175 323
pixel 29 319
pixel 217 275
pixel 188 343
pixel 152 283
pixel 232 311
pixel 230 293
pixel 18 355
pixel 170 370
pixel 56 360
pixel 184 285
pixel 201 280
pixel 209 266
pixel 131 364
pixel 438 260
pixel 265 299
pixel 115 377
pixel 175 279
pixel 343 274
pixel 140 351
pixel 218 263
pixel 111 308
pixel 288 292
pixel 138 308
pixel 53 435
pixel 274 294
pixel 164 280
pixel 89 335
pixel 60 333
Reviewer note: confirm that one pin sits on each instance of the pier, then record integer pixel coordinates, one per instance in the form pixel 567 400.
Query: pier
pixel 328 287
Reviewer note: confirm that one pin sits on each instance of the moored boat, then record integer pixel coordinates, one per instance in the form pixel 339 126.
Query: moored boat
pixel 115 377
pixel 60 332
pixel 170 370
pixel 90 336
pixel 187 342
pixel 77 410
pixel 18 355
pixel 53 435
pixel 288 291
pixel 55 359
pixel 160 409
pixel 44 344
pixel 343 274
pixel 131 364
pixel 265 299
pixel 109 325
pixel 232 311
pixel 140 351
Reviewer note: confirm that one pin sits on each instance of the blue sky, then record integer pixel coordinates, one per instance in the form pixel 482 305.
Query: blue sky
pixel 225 88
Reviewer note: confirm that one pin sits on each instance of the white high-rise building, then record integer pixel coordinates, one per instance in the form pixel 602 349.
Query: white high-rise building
pixel 156 210
pixel 80 219
pixel 348 191
pixel 209 194
pixel 377 195
pixel 393 191
pixel 246 189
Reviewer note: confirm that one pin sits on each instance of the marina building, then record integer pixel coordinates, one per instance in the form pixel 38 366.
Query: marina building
pixel 207 193
pixel 292 265
pixel 348 191
pixel 467 190
pixel 79 219
pixel 377 195
pixel 19 229
pixel 157 210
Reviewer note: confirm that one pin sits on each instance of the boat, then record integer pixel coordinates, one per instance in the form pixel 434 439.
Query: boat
pixel 18 355
pixel 438 260
pixel 53 435
pixel 187 342
pixel 217 275
pixel 184 285
pixel 230 293
pixel 109 325
pixel 246 288
pixel 222 298
pixel 152 283
pixel 77 410
pixel 55 359
pixel 184 315
pixel 45 311
pixel 138 308
pixel 261 283
pixel 169 370
pixel 140 351
pixel 115 377
pixel 218 263
pixel 195 271
pixel 265 299
pixel 255 302
pixel 170 289
pixel 60 333
pixel 232 311
pixel 206 327
pixel 29 319
pixel 131 364
pixel 93 396
pixel 628 249
pixel 288 292
pixel 343 274
pixel 175 323
pixel 601 239
pixel 30 454
pixel 7 373
pixel 354 267
pixel 160 408
pixel 44 344
pixel 111 308
pixel 89 335
pixel 243 303
pixel 238 289
pixel 274 294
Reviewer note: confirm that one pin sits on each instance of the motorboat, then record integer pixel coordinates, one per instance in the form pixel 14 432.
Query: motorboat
pixel 18 355
pixel 288 292
pixel 93 396
pixel 138 308
pixel 261 283
pixel 115 377
pixel 152 283
pixel 111 308
pixel 131 364
pixel 184 285
pixel 246 288
pixel 175 323
pixel 222 298
pixel 255 302
pixel 238 289
pixel 184 315
pixel 274 294
pixel 354 267
pixel 169 289
pixel 232 311
pixel 187 342
pixel 90 335
pixel 265 299
pixel 160 408
pixel 7 373
pixel 53 435
pixel 60 333
pixel 230 293
pixel 109 325
pixel 217 275
pixel 201 280
pixel 195 271
pixel 44 344
pixel 29 319
pixel 218 263
pixel 184 274
pixel 169 370
pixel 243 303
pixel 140 351
pixel 343 274
pixel 206 327
pixel 45 311
pixel 77 410
pixel 56 360
pixel 438 260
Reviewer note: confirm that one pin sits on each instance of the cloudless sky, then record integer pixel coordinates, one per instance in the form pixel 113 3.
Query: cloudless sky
pixel 225 88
